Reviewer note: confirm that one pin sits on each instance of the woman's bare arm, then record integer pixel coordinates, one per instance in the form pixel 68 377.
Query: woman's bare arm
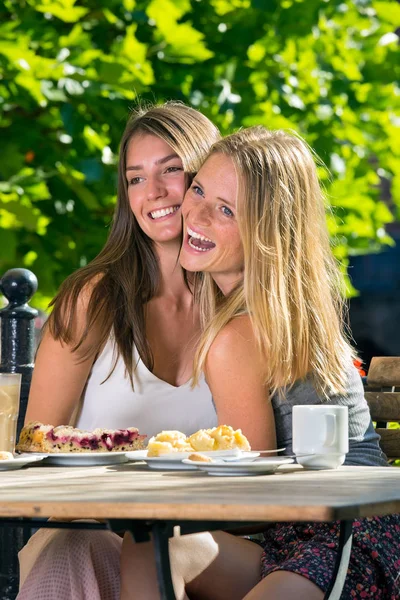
pixel 234 372
pixel 59 376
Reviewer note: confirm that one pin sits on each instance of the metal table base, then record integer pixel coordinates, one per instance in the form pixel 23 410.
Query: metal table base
pixel 161 531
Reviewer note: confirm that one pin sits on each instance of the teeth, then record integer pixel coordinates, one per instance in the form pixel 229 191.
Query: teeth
pixel 157 214
pixel 198 236
pixel 197 248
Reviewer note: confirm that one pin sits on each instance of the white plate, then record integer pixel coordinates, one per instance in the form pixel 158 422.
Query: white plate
pixel 168 462
pixel 175 462
pixel 136 455
pixel 164 464
pixel 262 466
pixel 20 461
pixel 85 459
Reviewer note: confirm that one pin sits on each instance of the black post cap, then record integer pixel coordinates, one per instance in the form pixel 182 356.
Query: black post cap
pixel 18 285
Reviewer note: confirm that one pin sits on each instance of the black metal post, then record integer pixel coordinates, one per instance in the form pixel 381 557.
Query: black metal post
pixel 17 356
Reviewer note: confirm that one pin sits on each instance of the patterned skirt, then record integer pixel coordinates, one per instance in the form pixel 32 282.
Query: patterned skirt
pixel 310 550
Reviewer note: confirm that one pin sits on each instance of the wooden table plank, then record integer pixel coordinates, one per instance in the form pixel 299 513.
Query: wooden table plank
pixel 133 491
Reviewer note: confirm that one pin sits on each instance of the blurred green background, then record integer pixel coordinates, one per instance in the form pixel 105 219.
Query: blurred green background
pixel 71 71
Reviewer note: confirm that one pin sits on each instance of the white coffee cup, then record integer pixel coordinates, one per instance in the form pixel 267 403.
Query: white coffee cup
pixel 320 435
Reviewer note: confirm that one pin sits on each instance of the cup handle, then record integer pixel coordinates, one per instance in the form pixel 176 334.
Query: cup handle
pixel 330 421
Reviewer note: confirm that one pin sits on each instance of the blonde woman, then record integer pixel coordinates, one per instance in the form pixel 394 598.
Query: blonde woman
pixel 118 348
pixel 254 223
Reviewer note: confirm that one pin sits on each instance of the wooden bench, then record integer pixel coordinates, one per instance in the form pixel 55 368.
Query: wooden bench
pixel 382 393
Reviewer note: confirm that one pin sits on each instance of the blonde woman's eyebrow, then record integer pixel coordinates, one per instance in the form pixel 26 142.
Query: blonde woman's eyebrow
pixel 228 202
pixel 160 161
pixel 195 180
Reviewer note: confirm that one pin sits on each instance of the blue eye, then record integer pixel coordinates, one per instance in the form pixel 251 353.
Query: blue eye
pixel 227 211
pixel 197 190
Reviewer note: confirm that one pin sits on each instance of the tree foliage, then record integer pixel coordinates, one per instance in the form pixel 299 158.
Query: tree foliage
pixel 70 71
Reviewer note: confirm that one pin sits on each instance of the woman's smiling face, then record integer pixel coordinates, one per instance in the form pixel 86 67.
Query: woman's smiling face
pixel 211 239
pixel 156 186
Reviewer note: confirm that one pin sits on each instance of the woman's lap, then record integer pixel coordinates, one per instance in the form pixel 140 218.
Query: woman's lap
pixel 310 550
pixel 307 549
pixel 69 564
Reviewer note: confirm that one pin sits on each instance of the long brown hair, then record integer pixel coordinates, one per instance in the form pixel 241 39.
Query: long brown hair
pixel 125 274
pixel 291 287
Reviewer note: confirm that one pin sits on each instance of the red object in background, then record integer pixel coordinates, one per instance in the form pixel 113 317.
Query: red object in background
pixel 29 156
pixel 358 365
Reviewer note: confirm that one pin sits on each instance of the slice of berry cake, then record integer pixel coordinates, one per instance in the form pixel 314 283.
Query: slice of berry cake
pixel 36 437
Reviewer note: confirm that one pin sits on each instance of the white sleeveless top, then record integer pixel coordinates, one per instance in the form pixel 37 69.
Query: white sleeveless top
pixel 154 405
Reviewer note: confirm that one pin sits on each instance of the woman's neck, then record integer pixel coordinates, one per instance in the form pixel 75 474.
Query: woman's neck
pixel 227 281
pixel 172 282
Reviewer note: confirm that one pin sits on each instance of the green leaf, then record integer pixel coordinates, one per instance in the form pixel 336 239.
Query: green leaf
pixel 63 10
pixel 129 4
pixel 165 14
pixel 94 140
pixel 29 259
pixel 223 7
pixel 8 242
pixel 388 11
pixel 73 179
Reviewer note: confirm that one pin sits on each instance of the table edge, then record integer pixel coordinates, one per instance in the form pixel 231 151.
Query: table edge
pixel 197 512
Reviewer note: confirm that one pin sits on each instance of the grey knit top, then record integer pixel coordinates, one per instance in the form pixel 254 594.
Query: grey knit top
pixel 364 447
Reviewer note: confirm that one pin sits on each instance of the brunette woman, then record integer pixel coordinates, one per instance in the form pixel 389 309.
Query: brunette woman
pixel 118 348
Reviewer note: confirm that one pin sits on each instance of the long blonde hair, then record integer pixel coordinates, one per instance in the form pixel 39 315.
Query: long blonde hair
pixel 125 274
pixel 291 287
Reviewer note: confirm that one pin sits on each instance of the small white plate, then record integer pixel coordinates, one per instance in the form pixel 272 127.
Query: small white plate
pixel 20 461
pixel 167 462
pixel 85 459
pixel 136 455
pixel 262 466
pixel 175 461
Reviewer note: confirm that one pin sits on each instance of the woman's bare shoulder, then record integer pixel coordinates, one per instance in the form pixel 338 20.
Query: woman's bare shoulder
pixel 76 295
pixel 235 373
pixel 71 310
pixel 235 342
pixel 88 288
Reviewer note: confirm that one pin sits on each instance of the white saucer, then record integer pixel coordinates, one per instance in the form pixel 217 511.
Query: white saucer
pixel 261 466
pixel 175 460
pixel 162 463
pixel 167 462
pixel 20 461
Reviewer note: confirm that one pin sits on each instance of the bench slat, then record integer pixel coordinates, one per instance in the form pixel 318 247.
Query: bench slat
pixel 384 371
pixel 384 406
pixel 390 442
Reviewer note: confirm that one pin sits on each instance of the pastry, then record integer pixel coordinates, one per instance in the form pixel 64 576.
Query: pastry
pixel 223 437
pixel 167 442
pixel 200 458
pixel 36 437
